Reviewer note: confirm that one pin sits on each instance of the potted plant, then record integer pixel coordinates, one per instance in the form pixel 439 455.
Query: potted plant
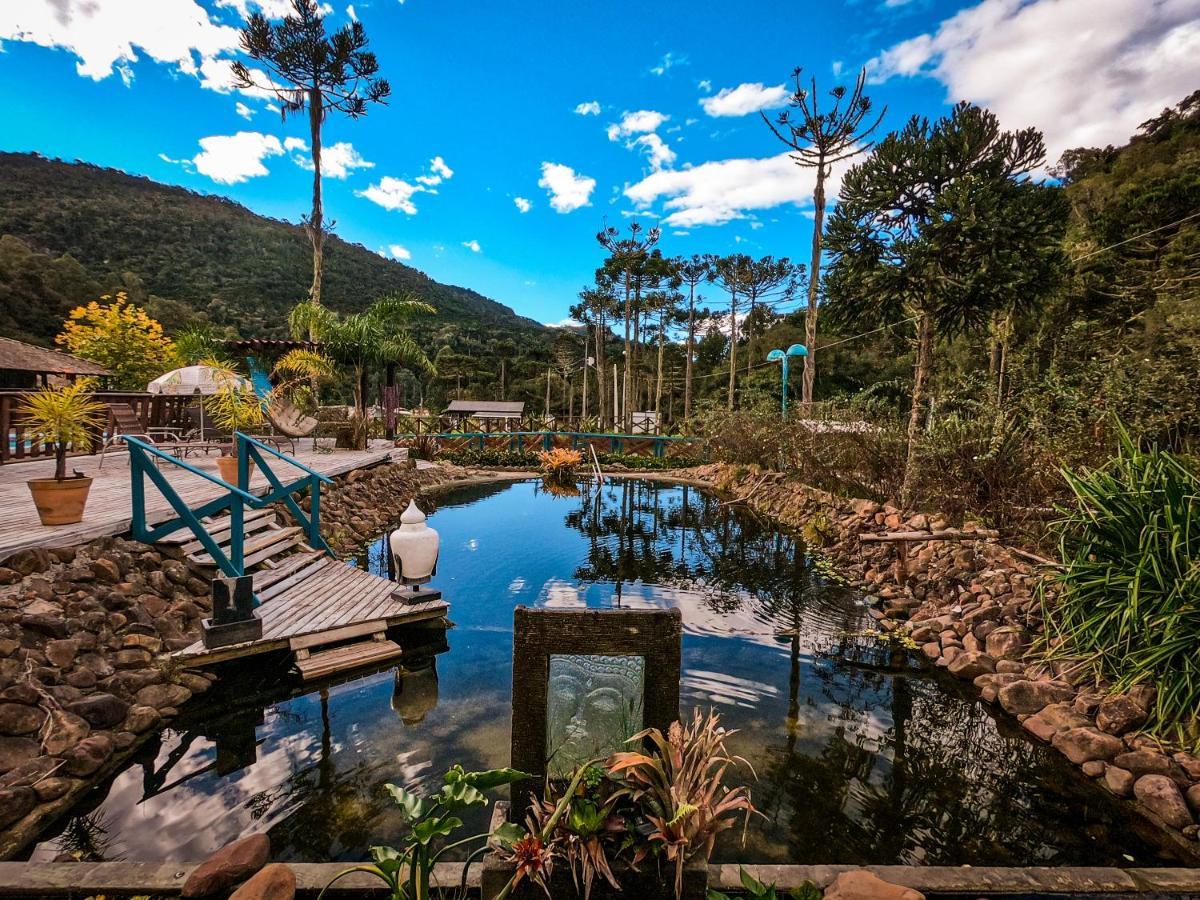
pixel 234 407
pixel 66 417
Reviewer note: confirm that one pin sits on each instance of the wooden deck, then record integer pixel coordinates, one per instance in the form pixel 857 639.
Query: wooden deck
pixel 108 510
pixel 335 602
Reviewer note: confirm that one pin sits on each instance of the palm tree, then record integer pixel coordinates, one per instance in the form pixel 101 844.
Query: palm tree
pixel 374 337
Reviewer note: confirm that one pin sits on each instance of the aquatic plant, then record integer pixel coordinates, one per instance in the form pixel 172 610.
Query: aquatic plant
pixel 1127 591
pixel 757 890
pixel 559 464
pixel 431 821
pixel 680 787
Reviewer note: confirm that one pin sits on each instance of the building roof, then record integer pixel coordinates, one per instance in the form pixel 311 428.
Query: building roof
pixel 488 409
pixel 21 357
pixel 269 345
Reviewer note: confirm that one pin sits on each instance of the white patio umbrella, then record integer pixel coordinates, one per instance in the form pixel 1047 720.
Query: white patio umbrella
pixel 194 381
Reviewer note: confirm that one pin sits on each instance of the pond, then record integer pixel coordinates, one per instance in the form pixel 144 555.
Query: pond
pixel 862 755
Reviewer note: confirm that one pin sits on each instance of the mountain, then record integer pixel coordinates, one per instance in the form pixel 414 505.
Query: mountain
pixel 71 230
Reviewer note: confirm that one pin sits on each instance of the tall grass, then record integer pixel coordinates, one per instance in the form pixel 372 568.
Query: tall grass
pixel 1129 592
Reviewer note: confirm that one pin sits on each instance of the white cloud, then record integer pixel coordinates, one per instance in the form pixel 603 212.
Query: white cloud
pixel 562 323
pixel 659 154
pixel 337 160
pixel 399 252
pixel 724 190
pixel 705 85
pixel 107 37
pixel 393 194
pixel 351 14
pixel 1086 72
pixel 272 9
pixel 244 111
pixel 233 158
pixel 590 108
pixel 522 204
pixel 745 99
pixel 667 63
pixel 567 189
pixel 472 245
pixel 440 171
pixel 640 122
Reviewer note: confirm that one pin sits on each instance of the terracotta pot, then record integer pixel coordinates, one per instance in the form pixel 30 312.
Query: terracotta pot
pixel 60 502
pixel 227 465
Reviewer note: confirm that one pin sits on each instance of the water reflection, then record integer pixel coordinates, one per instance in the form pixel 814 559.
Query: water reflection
pixel 862 755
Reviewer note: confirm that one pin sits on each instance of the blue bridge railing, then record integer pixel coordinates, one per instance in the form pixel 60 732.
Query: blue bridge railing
pixel 145 464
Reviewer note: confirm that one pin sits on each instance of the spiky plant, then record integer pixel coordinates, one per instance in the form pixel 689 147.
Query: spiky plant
pixel 1128 589
pixel 66 417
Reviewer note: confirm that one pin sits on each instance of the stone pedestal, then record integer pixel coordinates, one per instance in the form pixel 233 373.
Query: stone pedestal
pixel 420 595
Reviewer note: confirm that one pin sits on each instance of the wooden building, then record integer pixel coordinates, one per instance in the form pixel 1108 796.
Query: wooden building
pixel 25 366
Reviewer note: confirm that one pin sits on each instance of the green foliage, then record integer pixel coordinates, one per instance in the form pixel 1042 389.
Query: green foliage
pixel 235 406
pixel 66 417
pixel 757 890
pixel 431 820
pixel 488 457
pixel 1126 601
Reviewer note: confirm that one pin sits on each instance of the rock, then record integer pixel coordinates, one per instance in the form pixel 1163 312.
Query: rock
pixel 65 731
pixel 1007 642
pixel 16 751
pixel 197 684
pixel 15 803
pixel 859 884
pixel 971 664
pixel 1082 744
pixel 106 571
pixel 22 692
pixel 273 882
pixel 1032 696
pixel 161 696
pixel 1120 713
pixel 1094 768
pixel 1151 762
pixel 18 719
pixel 45 623
pixel 9 576
pixel 1189 764
pixel 53 788
pixel 1054 718
pixel 1161 796
pixel 62 653
pixel 86 757
pixel 141 718
pixel 100 710
pixel 30 562
pixel 133 658
pixel 141 642
pixel 1192 796
pixel 1119 781
pixel 232 863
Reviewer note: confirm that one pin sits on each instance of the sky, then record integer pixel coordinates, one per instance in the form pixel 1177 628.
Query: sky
pixel 516 130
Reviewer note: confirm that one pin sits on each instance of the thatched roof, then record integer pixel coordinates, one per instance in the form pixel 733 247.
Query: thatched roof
pixel 20 357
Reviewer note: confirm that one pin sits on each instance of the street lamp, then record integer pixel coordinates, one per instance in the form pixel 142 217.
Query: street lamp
pixel 778 355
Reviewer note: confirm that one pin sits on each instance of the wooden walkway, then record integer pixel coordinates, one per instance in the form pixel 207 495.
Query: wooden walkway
pixel 108 510
pixel 336 602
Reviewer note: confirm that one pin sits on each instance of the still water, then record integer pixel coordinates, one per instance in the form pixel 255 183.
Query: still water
pixel 861 755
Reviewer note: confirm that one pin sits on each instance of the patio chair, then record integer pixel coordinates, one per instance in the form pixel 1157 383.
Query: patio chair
pixel 203 434
pixel 127 424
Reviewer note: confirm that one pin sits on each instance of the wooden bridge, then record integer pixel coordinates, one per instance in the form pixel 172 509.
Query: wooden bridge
pixel 330 616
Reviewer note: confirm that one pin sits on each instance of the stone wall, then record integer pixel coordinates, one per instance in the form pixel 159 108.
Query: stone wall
pixel 972 608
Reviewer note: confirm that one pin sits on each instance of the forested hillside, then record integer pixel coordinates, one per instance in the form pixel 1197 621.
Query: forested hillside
pixel 71 230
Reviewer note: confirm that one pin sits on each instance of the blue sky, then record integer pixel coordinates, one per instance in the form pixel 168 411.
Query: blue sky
pixel 587 112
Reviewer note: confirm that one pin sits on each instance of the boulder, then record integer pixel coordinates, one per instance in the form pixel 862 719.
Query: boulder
pixel 61 653
pixel 16 751
pixel 15 803
pixel 231 864
pixel 86 757
pixel 1082 744
pixel 1032 696
pixel 1161 796
pixel 1192 796
pixel 860 884
pixel 100 710
pixel 1119 781
pixel 48 624
pixel 970 664
pixel 1151 762
pixel 141 718
pixel 65 731
pixel 1120 713
pixel 1054 718
pixel 1007 642
pixel 162 696
pixel 18 719
pixel 106 570
pixel 1190 764
pixel 273 882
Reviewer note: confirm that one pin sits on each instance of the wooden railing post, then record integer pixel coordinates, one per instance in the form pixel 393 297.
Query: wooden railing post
pixel 314 511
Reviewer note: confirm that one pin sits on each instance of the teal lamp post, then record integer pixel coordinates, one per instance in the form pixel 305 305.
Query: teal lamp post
pixel 785 356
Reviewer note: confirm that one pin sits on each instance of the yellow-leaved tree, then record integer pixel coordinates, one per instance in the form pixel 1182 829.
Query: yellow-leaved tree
pixel 120 336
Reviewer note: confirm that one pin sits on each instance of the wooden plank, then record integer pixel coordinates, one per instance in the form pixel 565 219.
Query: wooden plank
pixel 333 636
pixel 352 656
pixel 254 520
pixel 268 578
pixel 269 539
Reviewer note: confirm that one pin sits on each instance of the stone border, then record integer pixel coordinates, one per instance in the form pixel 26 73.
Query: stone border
pixel 50 880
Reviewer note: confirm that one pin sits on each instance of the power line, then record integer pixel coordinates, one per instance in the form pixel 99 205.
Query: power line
pixel 1137 237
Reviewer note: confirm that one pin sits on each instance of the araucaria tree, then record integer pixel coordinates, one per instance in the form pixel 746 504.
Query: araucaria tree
pixel 821 137
pixel 627 264
pixel 691 272
pixel 941 225
pixel 309 70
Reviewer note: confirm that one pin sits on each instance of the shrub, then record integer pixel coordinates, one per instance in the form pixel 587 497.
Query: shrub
pixel 559 464
pixel 1130 548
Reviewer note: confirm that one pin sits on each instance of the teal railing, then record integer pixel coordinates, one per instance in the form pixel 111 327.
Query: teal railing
pixel 236 498
pixel 616 442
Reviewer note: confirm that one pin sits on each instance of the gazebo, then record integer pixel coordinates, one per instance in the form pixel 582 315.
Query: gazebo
pixel 25 366
pixel 489 412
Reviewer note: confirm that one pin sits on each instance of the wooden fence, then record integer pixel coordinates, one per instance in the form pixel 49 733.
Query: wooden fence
pixel 151 409
pixel 530 442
